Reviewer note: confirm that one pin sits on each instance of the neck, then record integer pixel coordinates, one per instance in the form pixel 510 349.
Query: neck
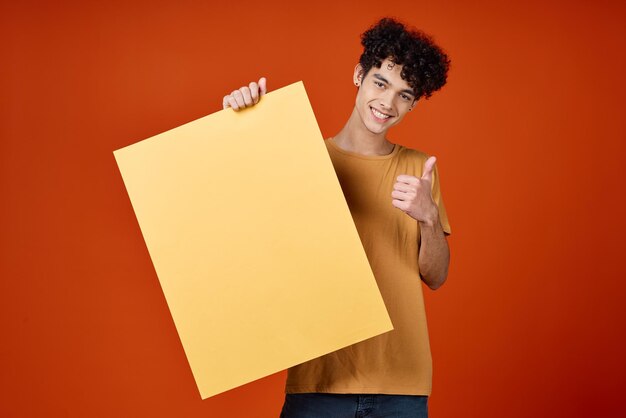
pixel 355 137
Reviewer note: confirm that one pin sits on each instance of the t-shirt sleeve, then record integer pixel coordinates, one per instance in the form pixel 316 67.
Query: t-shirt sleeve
pixel 436 190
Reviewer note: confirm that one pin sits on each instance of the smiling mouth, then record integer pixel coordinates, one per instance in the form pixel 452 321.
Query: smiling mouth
pixel 379 115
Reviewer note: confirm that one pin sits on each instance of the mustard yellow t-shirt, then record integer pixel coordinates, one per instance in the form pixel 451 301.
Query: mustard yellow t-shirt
pixel 399 361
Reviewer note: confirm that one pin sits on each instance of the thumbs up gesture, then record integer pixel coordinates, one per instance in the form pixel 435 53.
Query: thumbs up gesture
pixel 413 196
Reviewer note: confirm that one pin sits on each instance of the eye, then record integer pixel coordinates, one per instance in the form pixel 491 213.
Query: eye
pixel 405 97
pixel 379 84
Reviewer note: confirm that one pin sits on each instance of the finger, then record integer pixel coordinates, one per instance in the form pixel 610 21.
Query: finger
pixel 262 86
pixel 398 195
pixel 403 187
pixel 400 204
pixel 238 98
pixel 232 103
pixel 247 97
pixel 254 92
pixel 225 103
pixel 429 165
pixel 405 178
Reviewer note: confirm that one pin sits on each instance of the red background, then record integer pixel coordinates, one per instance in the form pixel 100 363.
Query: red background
pixel 530 135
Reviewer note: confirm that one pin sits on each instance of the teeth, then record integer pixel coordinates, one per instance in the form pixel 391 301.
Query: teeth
pixel 379 115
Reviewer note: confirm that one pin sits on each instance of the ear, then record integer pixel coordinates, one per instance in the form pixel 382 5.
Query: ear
pixel 358 75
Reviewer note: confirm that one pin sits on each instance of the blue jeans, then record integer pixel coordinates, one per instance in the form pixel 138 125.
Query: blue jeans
pixel 331 405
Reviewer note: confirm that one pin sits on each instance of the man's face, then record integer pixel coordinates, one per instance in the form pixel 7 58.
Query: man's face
pixel 383 97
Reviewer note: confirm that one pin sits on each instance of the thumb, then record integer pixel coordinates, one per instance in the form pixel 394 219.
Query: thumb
pixel 429 165
pixel 262 86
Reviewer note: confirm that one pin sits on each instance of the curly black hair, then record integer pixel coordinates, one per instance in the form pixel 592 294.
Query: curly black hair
pixel 424 64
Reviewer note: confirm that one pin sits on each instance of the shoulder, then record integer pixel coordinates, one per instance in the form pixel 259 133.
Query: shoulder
pixel 410 154
pixel 412 161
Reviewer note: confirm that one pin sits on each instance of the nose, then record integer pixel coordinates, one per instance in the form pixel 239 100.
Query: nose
pixel 386 99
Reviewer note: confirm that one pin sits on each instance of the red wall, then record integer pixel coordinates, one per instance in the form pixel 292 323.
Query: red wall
pixel 529 131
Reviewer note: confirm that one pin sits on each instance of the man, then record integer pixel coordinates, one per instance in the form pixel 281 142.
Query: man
pixel 394 198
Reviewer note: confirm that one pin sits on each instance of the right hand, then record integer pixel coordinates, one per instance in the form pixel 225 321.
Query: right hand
pixel 246 96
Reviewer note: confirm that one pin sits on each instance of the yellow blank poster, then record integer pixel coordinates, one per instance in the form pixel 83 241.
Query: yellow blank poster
pixel 252 241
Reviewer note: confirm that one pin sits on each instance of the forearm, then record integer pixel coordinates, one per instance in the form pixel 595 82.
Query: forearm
pixel 434 254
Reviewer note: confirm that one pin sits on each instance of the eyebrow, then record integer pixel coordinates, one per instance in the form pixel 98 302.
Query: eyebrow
pixel 381 78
